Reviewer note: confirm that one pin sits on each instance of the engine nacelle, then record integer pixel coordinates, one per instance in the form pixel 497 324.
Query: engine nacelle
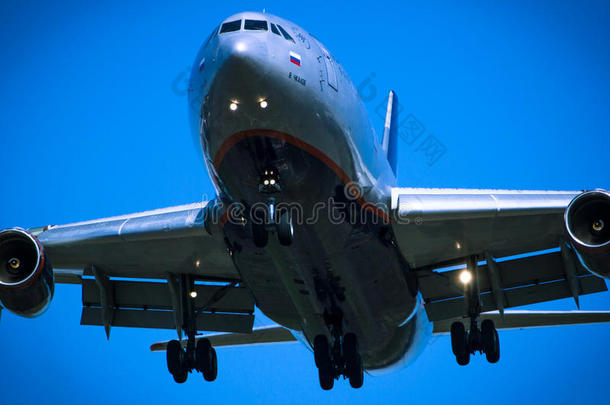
pixel 587 220
pixel 26 276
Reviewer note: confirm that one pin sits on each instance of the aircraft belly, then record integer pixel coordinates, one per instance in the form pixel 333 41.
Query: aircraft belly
pixel 342 256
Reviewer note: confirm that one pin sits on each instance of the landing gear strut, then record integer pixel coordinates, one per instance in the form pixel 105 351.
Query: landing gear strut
pixel 484 340
pixel 199 354
pixel 341 358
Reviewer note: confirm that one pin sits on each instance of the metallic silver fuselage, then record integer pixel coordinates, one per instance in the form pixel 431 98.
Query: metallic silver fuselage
pixel 315 130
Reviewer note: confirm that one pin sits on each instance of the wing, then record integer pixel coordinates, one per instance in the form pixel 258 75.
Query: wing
pixel 514 240
pixel 270 334
pixel 531 319
pixel 136 269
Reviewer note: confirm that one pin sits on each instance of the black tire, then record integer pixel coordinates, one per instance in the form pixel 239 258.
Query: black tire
pixel 459 343
pixel 211 374
pixel 327 380
pixel 285 230
pixel 321 352
pixel 205 356
pixel 175 358
pixel 260 235
pixel 490 340
pixel 355 373
pixel 180 378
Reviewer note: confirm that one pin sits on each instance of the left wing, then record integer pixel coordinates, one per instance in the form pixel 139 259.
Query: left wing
pixel 522 247
pixel 531 319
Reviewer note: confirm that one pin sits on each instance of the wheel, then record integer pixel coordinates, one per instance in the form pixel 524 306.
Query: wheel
pixel 205 356
pixel 180 378
pixel 355 373
pixel 212 373
pixel 260 235
pixel 459 343
pixel 491 342
pixel 321 352
pixel 327 380
pixel 175 358
pixel 285 230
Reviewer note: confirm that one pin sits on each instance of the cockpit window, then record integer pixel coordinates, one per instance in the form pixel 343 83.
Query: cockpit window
pixel 230 26
pixel 286 35
pixel 255 25
pixel 274 29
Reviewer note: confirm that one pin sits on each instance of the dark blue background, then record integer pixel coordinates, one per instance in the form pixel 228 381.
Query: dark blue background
pixel 93 123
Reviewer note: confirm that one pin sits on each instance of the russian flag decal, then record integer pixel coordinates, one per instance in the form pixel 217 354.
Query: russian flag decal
pixel 295 58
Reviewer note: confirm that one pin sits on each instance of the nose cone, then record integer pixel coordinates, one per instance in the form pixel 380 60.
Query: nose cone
pixel 245 90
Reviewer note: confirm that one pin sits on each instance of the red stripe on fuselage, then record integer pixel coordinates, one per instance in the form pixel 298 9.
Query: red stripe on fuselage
pixel 234 139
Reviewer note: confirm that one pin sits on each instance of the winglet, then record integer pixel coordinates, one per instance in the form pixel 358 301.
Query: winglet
pixel 390 130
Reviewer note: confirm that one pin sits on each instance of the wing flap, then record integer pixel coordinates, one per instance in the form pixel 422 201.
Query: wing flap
pixel 531 319
pixel 159 319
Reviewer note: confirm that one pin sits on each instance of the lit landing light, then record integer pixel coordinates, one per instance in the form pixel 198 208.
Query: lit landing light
pixel 233 106
pixel 266 182
pixel 193 294
pixel 598 225
pixel 240 47
pixel 465 277
pixel 458 245
pixel 272 181
pixel 263 104
pixel 197 263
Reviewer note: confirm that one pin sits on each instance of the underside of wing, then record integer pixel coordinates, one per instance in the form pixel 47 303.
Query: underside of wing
pixel 531 319
pixel 271 334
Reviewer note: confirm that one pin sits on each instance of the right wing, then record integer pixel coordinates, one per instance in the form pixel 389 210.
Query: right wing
pixel 135 269
pixel 269 334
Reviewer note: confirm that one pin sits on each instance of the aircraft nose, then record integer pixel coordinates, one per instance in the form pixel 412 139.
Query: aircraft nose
pixel 246 52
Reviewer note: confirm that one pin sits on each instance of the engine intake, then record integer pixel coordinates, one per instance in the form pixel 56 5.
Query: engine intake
pixel 26 277
pixel 587 220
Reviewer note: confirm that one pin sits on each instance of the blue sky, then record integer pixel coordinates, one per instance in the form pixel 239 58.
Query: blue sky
pixel 93 123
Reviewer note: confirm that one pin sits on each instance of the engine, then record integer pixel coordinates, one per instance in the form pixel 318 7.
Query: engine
pixel 587 220
pixel 26 277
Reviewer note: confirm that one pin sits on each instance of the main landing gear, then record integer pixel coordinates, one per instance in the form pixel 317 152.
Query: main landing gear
pixel 341 358
pixel 199 354
pixel 270 220
pixel 484 340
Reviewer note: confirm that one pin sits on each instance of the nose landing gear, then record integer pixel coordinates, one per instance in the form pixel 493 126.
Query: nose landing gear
pixel 269 221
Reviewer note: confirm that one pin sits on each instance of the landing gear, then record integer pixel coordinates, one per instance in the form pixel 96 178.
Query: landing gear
pixel 272 220
pixel 199 354
pixel 340 357
pixel 484 340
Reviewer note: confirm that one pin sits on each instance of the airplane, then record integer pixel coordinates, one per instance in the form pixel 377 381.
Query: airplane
pixel 310 226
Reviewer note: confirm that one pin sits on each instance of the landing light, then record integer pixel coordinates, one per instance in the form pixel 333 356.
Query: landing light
pixel 598 225
pixel 240 47
pixel 272 181
pixel 193 294
pixel 233 106
pixel 263 104
pixel 465 277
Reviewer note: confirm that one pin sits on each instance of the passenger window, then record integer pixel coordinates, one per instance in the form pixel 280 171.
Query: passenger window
pixel 286 35
pixel 255 25
pixel 274 29
pixel 230 26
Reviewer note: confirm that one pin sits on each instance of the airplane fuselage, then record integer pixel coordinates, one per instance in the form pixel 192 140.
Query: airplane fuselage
pixel 273 105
